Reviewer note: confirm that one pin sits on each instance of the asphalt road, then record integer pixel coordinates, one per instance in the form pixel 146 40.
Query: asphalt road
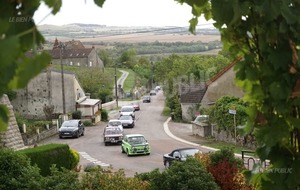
pixel 149 122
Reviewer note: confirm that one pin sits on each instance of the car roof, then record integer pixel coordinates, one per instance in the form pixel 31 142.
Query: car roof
pixel 134 135
pixel 188 148
pixel 127 106
pixel 112 120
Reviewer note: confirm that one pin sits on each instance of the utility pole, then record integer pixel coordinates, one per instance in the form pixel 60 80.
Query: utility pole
pixel 152 79
pixel 62 46
pixel 116 86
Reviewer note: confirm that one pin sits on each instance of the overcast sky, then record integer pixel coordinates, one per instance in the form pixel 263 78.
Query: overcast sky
pixel 119 13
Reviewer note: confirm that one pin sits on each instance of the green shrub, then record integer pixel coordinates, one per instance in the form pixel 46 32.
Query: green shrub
pixel 166 111
pixel 99 179
pixel 90 167
pixel 226 154
pixel 46 155
pixel 190 174
pixel 61 180
pixel 76 114
pixel 74 158
pixel 104 115
pixel 16 171
pixel 87 123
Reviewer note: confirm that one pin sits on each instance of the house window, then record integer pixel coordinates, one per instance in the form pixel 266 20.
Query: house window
pixel 71 63
pixel 91 64
pixel 78 64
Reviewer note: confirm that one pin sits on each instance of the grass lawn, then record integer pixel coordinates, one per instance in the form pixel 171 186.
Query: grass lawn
pixel 129 83
pixel 218 145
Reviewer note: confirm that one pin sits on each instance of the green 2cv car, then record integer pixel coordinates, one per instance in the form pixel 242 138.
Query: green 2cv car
pixel 134 144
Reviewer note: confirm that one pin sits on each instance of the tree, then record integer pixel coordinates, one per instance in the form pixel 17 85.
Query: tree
pixel 19 42
pixel 190 174
pixel 265 34
pixel 219 114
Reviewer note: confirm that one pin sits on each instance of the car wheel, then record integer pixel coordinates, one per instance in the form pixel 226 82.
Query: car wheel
pixel 167 164
pixel 82 134
pixel 77 134
pixel 105 143
pixel 127 152
pixel 123 151
pixel 60 137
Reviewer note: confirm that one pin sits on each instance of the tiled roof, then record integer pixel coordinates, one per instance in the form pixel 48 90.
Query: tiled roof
pixel 192 94
pixel 218 75
pixel 70 53
pixel 74 44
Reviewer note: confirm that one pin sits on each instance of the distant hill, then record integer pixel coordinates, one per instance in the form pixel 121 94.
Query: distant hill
pixel 94 32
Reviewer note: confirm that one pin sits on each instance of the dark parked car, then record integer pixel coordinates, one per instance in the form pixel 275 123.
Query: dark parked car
pixel 112 135
pixel 146 99
pixel 179 154
pixel 71 128
pixel 127 121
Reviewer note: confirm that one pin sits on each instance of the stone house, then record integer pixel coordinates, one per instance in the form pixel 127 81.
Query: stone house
pixel 206 94
pixel 46 89
pixel 73 53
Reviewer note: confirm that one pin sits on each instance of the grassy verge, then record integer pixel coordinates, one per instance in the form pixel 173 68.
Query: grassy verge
pixel 219 145
pixel 129 83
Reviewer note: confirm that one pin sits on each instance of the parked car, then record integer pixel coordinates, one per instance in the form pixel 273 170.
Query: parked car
pixel 127 110
pixel 179 154
pixel 157 88
pixel 146 99
pixel 136 106
pixel 152 92
pixel 134 144
pixel 127 121
pixel 112 135
pixel 115 123
pixel 71 128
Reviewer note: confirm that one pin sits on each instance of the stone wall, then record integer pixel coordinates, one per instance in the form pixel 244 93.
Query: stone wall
pixel 226 136
pixel 45 90
pixel 11 138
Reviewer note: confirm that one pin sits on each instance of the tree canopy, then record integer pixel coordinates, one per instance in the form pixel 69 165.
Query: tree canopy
pixel 265 34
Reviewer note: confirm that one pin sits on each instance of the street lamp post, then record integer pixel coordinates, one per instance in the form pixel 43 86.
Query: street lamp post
pixel 116 87
pixel 62 46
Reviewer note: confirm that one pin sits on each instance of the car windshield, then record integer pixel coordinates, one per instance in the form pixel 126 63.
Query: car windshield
pixel 127 109
pixel 111 131
pixel 137 140
pixel 69 124
pixel 189 152
pixel 125 117
pixel 114 123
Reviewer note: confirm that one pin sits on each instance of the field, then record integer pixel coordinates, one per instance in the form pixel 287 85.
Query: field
pixel 97 33
pixel 136 38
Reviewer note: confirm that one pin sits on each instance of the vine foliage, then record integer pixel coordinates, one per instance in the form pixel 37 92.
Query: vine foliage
pixel 265 34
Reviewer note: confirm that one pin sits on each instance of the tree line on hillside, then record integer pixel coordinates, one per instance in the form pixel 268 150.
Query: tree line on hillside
pixel 157 47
